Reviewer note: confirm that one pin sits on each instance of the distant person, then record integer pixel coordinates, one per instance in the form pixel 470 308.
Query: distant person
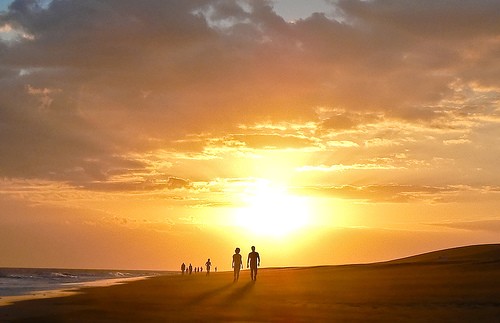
pixel 190 269
pixel 208 264
pixel 215 269
pixel 254 261
pixel 237 264
pixel 183 268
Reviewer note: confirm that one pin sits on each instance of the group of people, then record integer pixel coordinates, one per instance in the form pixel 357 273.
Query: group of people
pixel 189 269
pixel 253 261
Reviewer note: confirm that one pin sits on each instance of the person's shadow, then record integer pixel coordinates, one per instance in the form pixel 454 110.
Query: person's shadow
pixel 209 294
pixel 239 293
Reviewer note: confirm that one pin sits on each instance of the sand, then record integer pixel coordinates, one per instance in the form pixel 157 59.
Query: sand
pixel 435 288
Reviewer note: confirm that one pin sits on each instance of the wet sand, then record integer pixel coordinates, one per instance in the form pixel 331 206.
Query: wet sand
pixel 461 286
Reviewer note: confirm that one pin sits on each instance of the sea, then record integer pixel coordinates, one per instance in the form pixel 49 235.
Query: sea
pixel 25 281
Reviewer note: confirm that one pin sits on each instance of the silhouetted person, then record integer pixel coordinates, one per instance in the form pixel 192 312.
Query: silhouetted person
pixel 190 269
pixel 254 261
pixel 183 268
pixel 208 264
pixel 237 264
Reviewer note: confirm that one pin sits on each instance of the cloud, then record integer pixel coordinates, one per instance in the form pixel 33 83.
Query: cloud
pixel 443 19
pixel 403 193
pixel 340 168
pixel 481 225
pixel 89 86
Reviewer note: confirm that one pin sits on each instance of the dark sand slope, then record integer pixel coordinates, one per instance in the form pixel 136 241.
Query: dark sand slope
pixel 456 285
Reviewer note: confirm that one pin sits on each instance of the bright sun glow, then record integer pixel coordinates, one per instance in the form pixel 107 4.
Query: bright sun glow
pixel 271 211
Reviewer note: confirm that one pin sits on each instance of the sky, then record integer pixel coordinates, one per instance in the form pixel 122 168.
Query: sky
pixel 144 134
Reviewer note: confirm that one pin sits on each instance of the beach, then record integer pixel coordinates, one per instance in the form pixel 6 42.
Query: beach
pixel 462 285
pixel 334 137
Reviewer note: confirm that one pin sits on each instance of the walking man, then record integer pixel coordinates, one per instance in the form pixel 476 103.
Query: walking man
pixel 208 264
pixel 254 261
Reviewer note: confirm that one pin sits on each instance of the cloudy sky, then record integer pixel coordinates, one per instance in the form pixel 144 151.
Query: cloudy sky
pixel 141 134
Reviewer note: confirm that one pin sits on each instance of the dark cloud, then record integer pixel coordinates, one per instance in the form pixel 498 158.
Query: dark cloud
pixel 140 183
pixel 443 19
pixel 174 183
pixel 342 120
pixel 87 83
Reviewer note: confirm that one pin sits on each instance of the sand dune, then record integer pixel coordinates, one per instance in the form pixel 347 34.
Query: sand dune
pixel 455 285
pixel 468 254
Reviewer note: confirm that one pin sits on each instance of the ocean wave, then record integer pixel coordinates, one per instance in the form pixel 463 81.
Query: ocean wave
pixel 21 281
pixel 63 275
pixel 118 274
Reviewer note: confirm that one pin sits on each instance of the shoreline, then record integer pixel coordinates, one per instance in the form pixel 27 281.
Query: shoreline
pixel 71 289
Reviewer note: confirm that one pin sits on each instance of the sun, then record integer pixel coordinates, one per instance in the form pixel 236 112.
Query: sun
pixel 269 210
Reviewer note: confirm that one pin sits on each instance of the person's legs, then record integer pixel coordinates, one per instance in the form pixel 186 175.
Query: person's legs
pixel 253 273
